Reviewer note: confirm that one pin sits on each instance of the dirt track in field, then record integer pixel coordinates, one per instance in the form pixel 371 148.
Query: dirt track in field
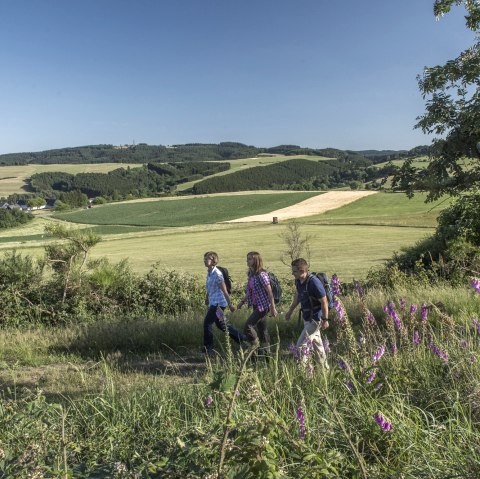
pixel 312 206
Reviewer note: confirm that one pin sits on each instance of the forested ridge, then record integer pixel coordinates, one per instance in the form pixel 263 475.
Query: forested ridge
pixel 143 153
pixel 297 174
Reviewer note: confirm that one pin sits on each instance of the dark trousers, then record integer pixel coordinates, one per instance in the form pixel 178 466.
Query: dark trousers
pixel 256 327
pixel 211 318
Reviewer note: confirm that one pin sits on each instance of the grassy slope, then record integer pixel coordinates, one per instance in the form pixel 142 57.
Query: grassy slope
pixel 12 178
pixel 392 209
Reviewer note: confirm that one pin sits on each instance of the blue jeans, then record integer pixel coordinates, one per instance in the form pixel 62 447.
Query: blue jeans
pixel 211 318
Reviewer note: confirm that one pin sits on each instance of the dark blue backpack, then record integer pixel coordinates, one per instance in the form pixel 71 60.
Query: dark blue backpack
pixel 323 277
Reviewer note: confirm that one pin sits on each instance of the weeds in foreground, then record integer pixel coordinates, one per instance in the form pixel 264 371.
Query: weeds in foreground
pixel 401 399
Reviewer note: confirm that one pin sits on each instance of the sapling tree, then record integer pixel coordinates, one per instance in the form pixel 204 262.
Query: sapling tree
pixel 296 244
pixel 69 256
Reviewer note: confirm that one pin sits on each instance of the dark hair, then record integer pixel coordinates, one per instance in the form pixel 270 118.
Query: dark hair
pixel 300 263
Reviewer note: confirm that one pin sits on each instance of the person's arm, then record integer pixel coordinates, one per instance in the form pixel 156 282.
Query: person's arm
pixel 292 306
pixel 223 288
pixel 273 308
pixel 324 304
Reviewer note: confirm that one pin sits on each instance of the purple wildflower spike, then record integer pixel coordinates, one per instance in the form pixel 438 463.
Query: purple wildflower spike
pixel 343 364
pixel 394 349
pixel 416 338
pixel 424 312
pixel 475 284
pixel 443 355
pixel 302 430
pixel 380 352
pixel 382 422
pixel 340 312
pixel 372 376
pixel 359 289
pixel 463 344
pixel 403 303
pixel 326 345
pixel 370 317
pixel 336 286
pixel 350 386
pixel 476 324
pixel 413 309
pixel 378 386
pixel 389 308
pixel 209 401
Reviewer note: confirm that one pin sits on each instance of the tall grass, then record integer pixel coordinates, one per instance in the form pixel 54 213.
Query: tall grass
pixel 412 411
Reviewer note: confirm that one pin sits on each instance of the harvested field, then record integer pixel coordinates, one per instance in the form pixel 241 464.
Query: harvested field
pixel 311 206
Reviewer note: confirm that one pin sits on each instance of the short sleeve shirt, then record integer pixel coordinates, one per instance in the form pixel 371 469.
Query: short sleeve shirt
pixel 316 291
pixel 215 294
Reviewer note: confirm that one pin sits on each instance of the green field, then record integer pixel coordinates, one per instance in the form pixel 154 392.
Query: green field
pixel 389 209
pixel 13 178
pixel 187 211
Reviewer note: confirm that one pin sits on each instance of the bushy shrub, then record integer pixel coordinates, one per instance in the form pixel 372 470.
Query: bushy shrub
pixel 170 292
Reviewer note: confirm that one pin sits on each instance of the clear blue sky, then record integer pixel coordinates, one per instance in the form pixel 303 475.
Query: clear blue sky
pixel 316 73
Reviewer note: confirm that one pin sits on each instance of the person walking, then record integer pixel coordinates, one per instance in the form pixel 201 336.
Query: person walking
pixel 311 296
pixel 217 299
pixel 258 295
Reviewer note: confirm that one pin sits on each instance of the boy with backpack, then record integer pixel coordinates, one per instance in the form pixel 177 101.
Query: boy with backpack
pixel 217 299
pixel 312 297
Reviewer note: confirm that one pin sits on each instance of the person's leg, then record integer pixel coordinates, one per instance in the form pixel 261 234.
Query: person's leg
pixel 210 318
pixel 263 335
pixel 220 322
pixel 313 333
pixel 249 329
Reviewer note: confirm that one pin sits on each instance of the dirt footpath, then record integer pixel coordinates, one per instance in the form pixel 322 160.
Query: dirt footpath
pixel 312 206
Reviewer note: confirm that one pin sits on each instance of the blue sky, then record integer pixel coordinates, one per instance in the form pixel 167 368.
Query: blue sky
pixel 315 73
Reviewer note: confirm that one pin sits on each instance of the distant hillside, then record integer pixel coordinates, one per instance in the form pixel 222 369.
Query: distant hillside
pixel 143 153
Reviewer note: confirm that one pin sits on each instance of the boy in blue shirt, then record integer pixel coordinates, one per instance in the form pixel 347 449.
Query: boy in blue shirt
pixel 311 296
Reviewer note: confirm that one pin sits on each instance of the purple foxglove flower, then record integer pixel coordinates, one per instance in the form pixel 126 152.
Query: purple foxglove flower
pixel 394 349
pixel 424 312
pixel 372 376
pixel 343 364
pixel 326 345
pixel 350 386
pixel 359 289
pixel 339 309
pixel 336 286
pixel 302 430
pixel 389 308
pixel 413 309
pixel 416 338
pixel 443 355
pixel 476 324
pixel 403 303
pixel 370 317
pixel 380 352
pixel 209 401
pixel 475 284
pixel 382 422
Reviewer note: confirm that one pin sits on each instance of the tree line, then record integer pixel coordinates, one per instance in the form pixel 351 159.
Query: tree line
pixel 143 153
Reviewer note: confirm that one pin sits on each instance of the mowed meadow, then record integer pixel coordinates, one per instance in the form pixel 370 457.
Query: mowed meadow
pixel 176 232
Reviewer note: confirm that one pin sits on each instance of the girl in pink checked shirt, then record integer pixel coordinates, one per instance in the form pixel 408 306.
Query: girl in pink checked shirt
pixel 258 295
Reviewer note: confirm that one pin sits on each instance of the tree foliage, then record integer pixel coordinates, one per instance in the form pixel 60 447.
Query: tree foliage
pixel 452 93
